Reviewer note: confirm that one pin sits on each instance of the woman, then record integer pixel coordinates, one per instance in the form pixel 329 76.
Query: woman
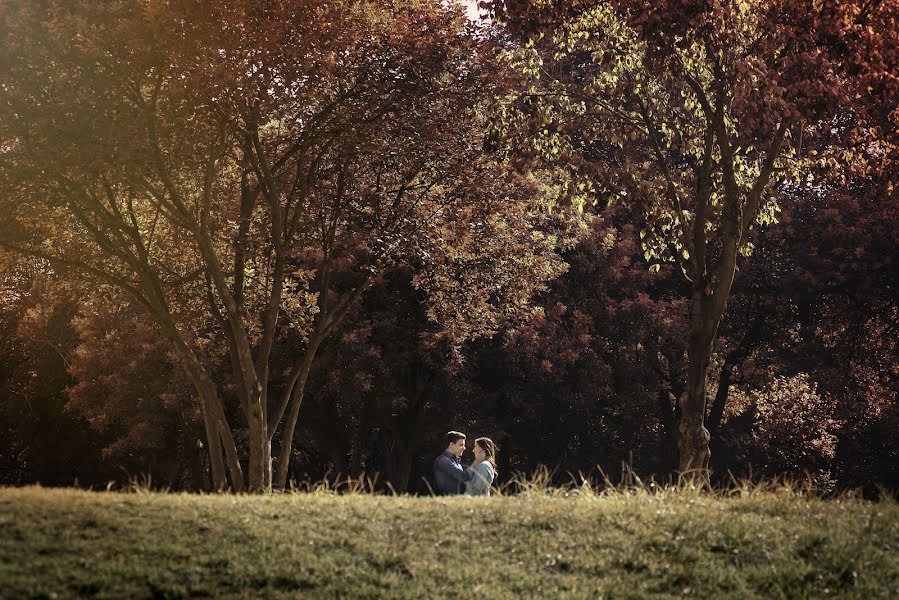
pixel 483 468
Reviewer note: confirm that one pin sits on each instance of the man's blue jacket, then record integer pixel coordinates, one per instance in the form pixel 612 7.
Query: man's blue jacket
pixel 449 475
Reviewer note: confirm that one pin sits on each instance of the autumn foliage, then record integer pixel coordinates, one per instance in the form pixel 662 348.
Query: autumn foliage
pixel 250 243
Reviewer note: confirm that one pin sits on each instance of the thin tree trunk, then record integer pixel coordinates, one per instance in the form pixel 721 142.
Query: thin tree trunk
pixel 295 401
pixel 280 481
pixel 198 480
pixel 260 466
pixel 405 446
pixel 711 289
pixel 224 439
pixel 720 402
pixel 227 439
pixel 218 432
pixel 214 445
pixel 328 319
pixel 751 339
pixel 669 427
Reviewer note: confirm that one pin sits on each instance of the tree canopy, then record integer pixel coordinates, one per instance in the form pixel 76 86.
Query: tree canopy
pixel 243 172
pixel 701 116
pixel 244 243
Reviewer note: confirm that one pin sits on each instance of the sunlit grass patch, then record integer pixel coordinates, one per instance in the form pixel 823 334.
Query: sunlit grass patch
pixel 578 541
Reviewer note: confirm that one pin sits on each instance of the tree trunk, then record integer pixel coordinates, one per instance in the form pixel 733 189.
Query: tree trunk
pixel 280 481
pixel 224 440
pixel 409 430
pixel 214 444
pixel 693 438
pixel 667 414
pixel 218 432
pixel 296 400
pixel 328 319
pixel 753 336
pixel 260 467
pixel 231 458
pixel 708 305
pixel 198 481
pixel 720 402
pixel 711 287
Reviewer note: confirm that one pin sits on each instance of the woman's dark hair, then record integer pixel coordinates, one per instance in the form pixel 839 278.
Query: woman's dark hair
pixel 489 448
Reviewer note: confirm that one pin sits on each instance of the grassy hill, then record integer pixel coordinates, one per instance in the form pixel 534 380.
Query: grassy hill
pixel 69 543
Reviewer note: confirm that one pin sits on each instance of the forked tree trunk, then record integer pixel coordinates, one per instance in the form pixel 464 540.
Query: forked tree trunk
pixel 707 309
pixel 711 287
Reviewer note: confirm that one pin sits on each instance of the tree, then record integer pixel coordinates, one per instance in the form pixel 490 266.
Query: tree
pixel 40 441
pixel 587 383
pixel 379 392
pixel 131 389
pixel 244 170
pixel 695 114
pixel 819 299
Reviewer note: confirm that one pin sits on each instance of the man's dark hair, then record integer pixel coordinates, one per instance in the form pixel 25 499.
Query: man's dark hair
pixel 454 436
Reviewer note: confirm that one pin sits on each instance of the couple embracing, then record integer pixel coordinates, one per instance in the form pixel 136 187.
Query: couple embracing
pixel 475 480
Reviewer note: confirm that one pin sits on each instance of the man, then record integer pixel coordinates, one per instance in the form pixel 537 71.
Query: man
pixel 449 476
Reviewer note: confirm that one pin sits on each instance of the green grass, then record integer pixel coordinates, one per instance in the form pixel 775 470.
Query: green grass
pixel 70 543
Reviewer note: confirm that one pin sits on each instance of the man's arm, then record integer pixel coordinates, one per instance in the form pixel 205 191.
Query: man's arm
pixel 453 469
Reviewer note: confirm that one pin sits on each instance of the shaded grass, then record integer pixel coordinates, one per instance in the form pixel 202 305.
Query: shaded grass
pixel 545 543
